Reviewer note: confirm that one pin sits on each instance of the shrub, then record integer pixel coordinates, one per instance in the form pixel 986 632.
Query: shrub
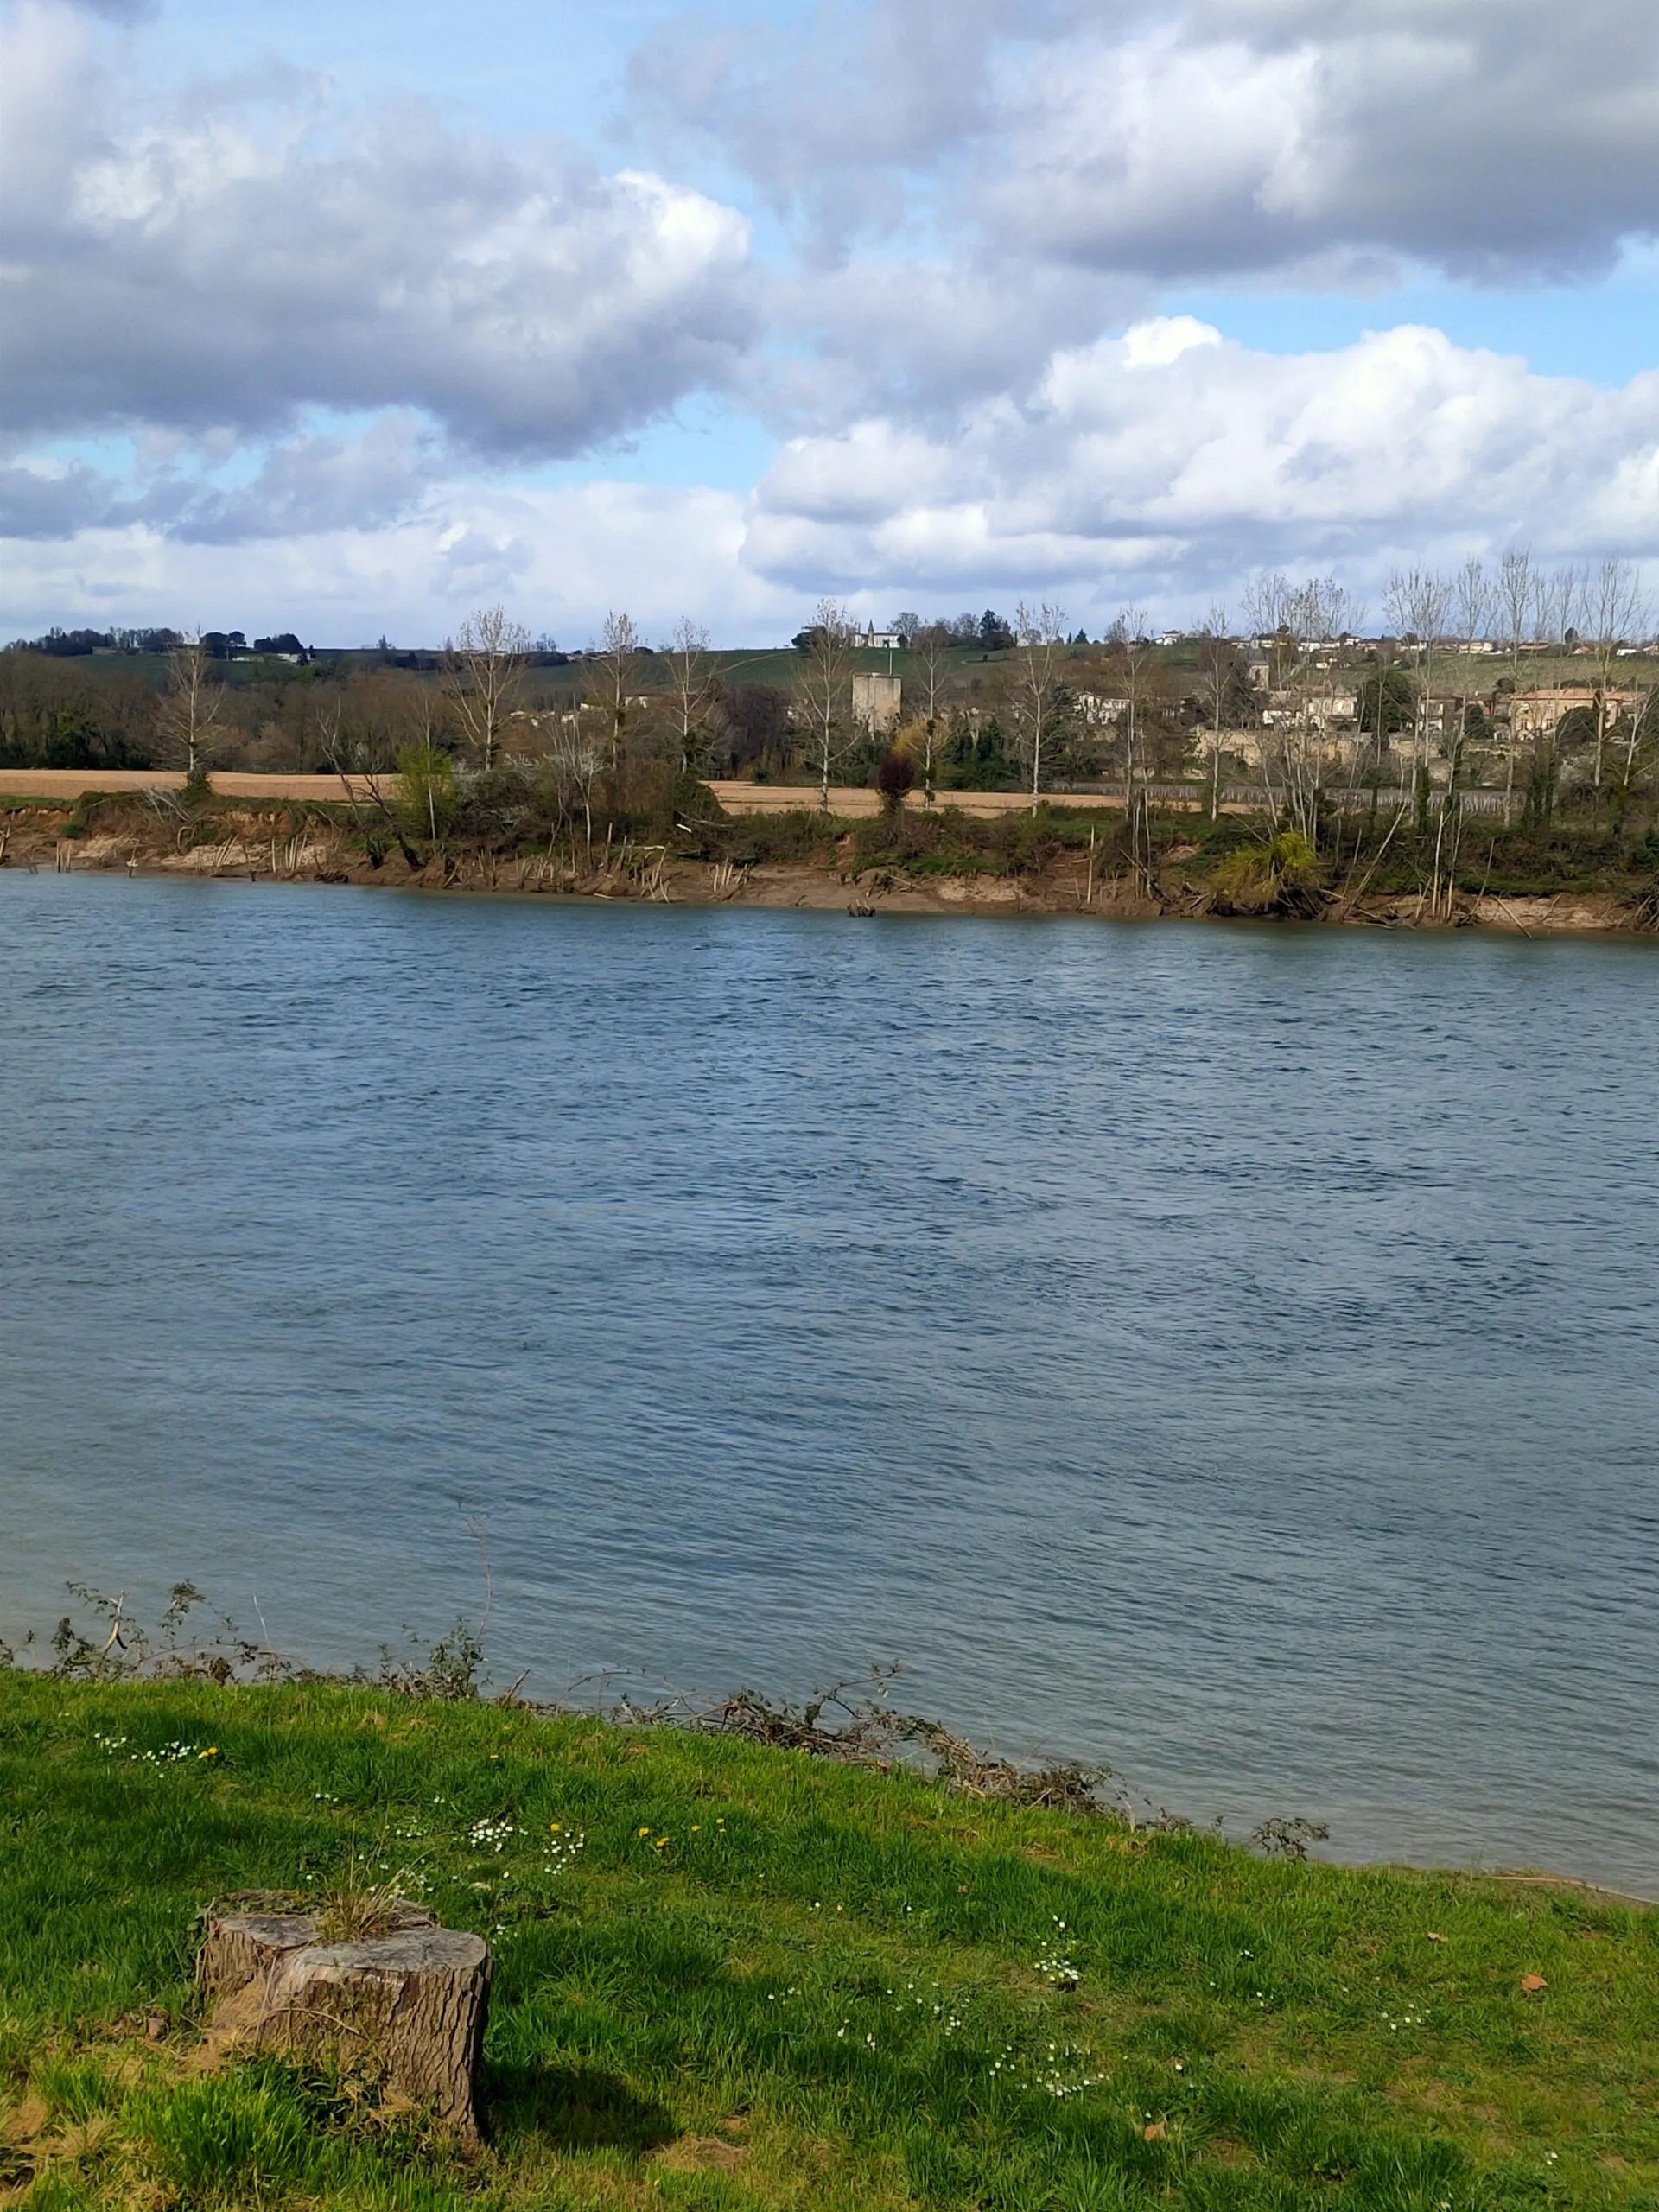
pixel 893 777
pixel 1281 877
pixel 426 805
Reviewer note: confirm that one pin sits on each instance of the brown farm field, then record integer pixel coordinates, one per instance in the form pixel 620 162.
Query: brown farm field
pixel 853 802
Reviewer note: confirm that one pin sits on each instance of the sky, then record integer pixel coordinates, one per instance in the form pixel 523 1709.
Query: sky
pixel 351 319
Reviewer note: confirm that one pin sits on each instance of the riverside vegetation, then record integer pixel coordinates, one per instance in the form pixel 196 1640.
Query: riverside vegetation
pixel 733 1974
pixel 1407 777
pixel 666 837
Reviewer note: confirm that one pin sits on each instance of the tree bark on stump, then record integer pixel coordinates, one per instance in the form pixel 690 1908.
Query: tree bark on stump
pixel 242 1947
pixel 407 2007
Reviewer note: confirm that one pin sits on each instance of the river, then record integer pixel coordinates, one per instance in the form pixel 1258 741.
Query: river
pixel 1228 1352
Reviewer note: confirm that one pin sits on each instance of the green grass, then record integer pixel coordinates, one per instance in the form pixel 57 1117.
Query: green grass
pixel 760 1981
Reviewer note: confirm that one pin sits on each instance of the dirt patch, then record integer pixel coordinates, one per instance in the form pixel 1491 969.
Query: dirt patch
pixel 1573 911
pixel 702 2154
pixel 67 784
pixel 978 891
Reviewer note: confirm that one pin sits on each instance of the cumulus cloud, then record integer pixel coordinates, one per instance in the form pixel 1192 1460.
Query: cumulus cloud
pixel 1171 461
pixel 1163 466
pixel 1488 138
pixel 314 482
pixel 44 501
pixel 330 330
pixel 1493 139
pixel 834 115
pixel 922 338
pixel 311 484
pixel 556 557
pixel 251 252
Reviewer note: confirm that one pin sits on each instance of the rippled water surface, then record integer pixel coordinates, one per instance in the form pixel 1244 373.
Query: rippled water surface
pixel 1231 1354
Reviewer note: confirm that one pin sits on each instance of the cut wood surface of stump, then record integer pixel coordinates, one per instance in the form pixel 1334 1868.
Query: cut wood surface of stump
pixel 407 2007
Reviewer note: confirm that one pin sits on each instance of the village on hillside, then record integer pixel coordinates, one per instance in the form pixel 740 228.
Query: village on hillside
pixel 1559 694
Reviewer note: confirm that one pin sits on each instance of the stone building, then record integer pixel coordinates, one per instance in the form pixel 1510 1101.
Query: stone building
pixel 876 701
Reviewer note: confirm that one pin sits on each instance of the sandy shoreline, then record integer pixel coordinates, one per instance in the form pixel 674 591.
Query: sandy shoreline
pixel 798 887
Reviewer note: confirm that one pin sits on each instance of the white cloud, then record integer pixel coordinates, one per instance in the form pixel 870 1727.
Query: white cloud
pixel 314 482
pixel 1492 139
pixel 922 338
pixel 834 116
pixel 253 252
pixel 330 331
pixel 1163 466
pixel 1495 139
pixel 1171 461
pixel 556 557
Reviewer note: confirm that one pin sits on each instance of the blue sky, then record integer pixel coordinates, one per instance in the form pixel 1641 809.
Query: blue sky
pixel 351 319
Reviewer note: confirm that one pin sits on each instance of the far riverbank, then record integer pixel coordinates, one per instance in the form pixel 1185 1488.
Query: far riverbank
pixel 986 852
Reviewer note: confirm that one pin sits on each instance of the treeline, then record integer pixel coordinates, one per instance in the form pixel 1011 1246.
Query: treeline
pixel 75 645
pixel 988 702
pixel 220 644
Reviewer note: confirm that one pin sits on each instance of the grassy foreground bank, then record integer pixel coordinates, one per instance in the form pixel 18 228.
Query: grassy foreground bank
pixel 733 1976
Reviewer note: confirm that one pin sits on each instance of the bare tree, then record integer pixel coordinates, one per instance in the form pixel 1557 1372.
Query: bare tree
pixel 579 752
pixel 1516 594
pixel 1643 739
pixel 1473 593
pixel 1266 598
pixel 929 647
pixel 697 687
pixel 1217 666
pixel 1560 606
pixel 1473 597
pixel 1418 602
pixel 1556 612
pixel 1040 633
pixel 1615 611
pixel 187 727
pixel 1312 616
pixel 828 662
pixel 382 720
pixel 484 671
pixel 1131 649
pixel 620 657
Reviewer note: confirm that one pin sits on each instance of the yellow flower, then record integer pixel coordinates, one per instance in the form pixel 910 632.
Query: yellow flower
pixel 644 1831
pixel 556 1825
pixel 660 1842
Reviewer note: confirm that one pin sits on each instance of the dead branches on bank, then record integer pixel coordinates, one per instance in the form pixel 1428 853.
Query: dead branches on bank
pixel 865 1730
pixel 852 1722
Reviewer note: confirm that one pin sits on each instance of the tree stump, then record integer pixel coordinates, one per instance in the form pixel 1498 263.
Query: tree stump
pixel 406 2007
pixel 242 1946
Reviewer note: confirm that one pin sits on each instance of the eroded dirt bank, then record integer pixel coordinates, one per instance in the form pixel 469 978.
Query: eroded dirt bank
pixel 252 844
